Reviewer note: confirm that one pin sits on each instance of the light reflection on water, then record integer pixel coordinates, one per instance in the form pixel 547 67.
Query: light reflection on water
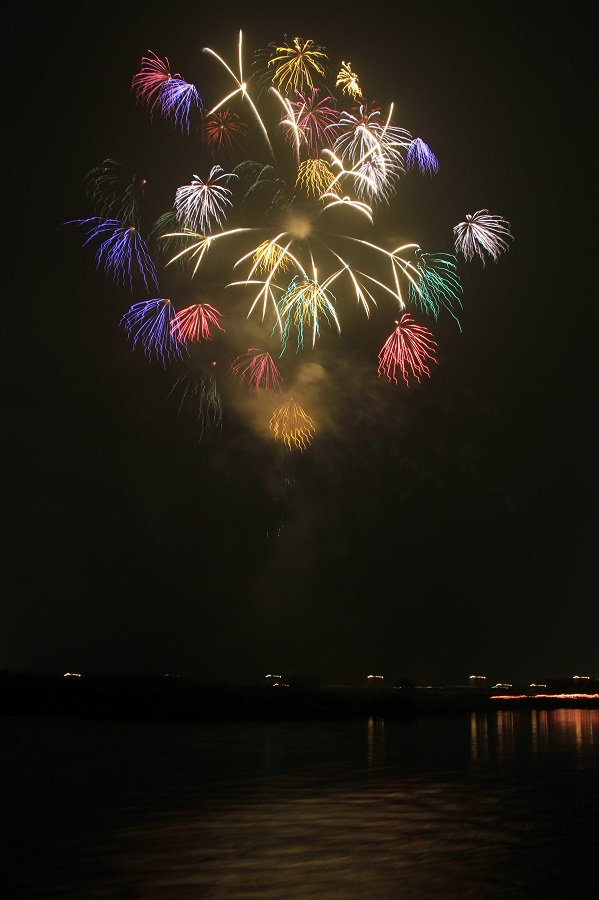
pixel 537 731
pixel 492 805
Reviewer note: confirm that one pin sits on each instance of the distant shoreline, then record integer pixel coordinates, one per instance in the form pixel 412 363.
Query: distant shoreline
pixel 172 698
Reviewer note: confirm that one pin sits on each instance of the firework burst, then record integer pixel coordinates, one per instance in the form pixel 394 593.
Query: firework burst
pixel 259 369
pixel 420 156
pixel 316 178
pixel 170 95
pixel 310 119
pixel 116 193
pixel 348 81
pixel 288 228
pixel 193 323
pixel 483 234
pixel 122 252
pixel 201 205
pixel 406 349
pixel 294 66
pixel 438 285
pixel 305 304
pixel 224 134
pixel 268 257
pixel 291 425
pixel 150 324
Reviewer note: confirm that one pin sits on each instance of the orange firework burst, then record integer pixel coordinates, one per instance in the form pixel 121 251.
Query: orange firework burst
pixel 290 424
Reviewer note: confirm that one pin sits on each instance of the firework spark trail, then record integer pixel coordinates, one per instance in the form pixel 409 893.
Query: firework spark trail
pixel 203 396
pixel 362 133
pixel 268 256
pixel 316 178
pixel 241 89
pixel 201 245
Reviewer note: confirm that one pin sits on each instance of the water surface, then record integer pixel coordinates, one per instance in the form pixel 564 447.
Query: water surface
pixel 483 805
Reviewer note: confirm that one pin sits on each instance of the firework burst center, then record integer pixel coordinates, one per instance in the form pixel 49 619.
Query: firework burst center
pixel 299 225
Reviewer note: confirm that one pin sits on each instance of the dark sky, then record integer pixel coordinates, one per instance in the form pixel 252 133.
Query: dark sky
pixel 428 533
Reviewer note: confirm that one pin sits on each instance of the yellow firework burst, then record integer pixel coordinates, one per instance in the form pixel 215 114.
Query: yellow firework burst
pixel 269 256
pixel 348 81
pixel 316 178
pixel 290 424
pixel 296 66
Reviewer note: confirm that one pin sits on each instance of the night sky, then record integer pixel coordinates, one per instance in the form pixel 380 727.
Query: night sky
pixel 427 533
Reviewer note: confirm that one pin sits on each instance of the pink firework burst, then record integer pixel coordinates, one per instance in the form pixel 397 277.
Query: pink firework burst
pixel 314 119
pixel 193 323
pixel 259 369
pixel 149 83
pixel 407 348
pixel 170 94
